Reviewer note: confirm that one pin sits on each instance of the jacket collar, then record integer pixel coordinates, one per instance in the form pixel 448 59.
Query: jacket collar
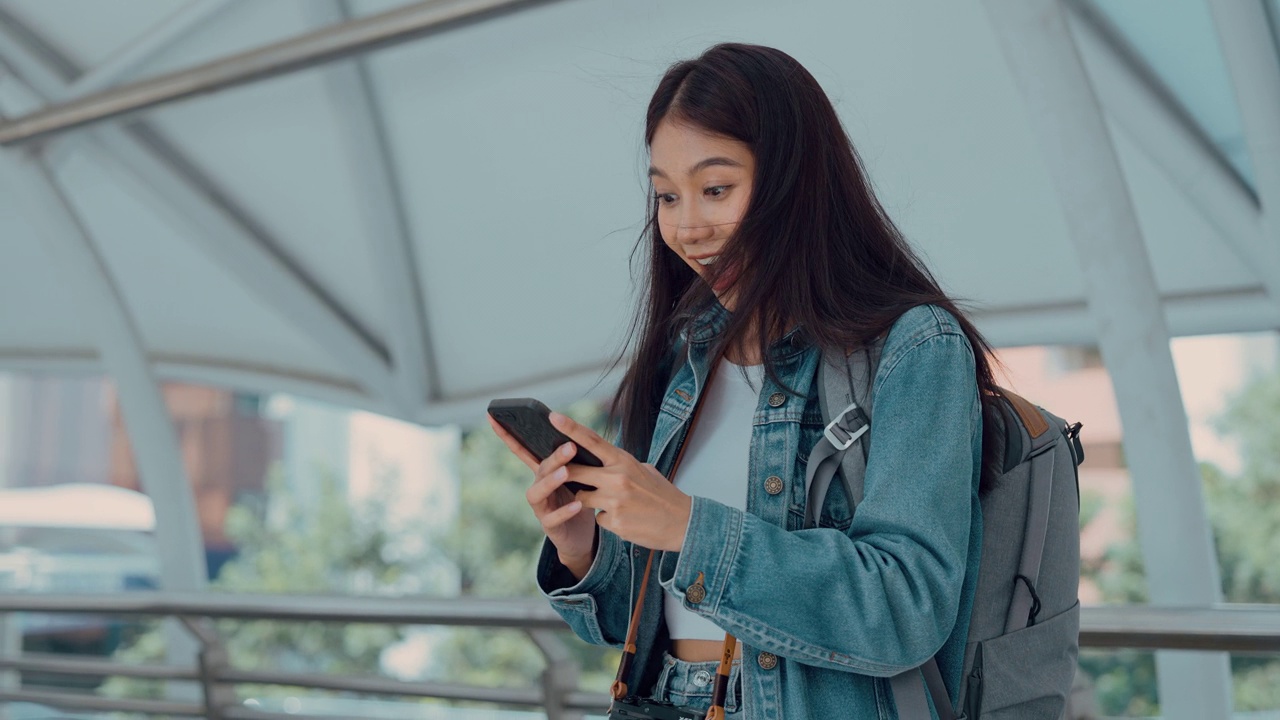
pixel 712 320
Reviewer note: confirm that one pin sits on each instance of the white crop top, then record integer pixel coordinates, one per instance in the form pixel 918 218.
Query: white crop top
pixel 715 466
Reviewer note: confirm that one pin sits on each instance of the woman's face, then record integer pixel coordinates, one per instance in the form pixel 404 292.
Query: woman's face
pixel 703 184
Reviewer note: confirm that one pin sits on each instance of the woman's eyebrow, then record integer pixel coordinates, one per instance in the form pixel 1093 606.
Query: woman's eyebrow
pixel 700 165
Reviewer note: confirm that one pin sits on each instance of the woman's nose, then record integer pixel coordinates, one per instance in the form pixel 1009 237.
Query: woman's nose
pixel 693 228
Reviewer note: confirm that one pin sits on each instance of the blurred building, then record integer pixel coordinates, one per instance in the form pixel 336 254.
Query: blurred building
pixel 56 430
pixel 1072 382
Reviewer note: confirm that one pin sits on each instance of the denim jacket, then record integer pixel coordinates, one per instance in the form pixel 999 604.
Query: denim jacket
pixel 827 614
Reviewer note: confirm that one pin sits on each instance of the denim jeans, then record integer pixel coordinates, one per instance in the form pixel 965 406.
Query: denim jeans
pixel 690 684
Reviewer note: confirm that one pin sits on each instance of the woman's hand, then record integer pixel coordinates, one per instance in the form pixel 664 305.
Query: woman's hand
pixel 572 532
pixel 636 502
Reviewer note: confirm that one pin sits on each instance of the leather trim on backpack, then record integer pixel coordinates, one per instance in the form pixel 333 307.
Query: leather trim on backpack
pixel 1031 418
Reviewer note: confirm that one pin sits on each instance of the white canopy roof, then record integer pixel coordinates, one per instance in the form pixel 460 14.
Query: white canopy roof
pixel 451 219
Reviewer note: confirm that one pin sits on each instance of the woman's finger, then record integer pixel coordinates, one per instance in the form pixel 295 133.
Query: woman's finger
pixel 556 460
pixel 587 438
pixel 512 444
pixel 544 487
pixel 558 517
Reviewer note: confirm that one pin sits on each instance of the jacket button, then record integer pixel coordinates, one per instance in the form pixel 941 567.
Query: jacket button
pixel 767 660
pixel 696 593
pixel 635 552
pixel 776 399
pixel 773 485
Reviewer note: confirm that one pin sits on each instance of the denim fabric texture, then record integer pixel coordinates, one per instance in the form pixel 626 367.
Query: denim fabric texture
pixel 690 685
pixel 826 614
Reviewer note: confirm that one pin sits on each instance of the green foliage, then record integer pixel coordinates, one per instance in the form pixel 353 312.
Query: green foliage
pixel 325 546
pixel 1091 503
pixel 1124 681
pixel 495 543
pixel 1244 513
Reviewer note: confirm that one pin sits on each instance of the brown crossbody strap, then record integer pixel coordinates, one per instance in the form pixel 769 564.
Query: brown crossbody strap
pixel 619 688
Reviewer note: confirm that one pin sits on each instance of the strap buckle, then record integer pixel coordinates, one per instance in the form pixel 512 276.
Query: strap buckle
pixel 834 425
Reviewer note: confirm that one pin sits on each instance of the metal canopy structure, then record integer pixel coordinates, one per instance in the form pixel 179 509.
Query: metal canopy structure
pixel 418 229
pixel 413 208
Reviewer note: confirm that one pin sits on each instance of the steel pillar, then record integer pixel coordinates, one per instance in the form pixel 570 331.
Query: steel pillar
pixel 107 317
pixel 1173 528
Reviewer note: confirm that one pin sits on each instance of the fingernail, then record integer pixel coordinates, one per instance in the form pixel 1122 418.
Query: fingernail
pixel 556 418
pixel 576 504
pixel 566 450
pixel 561 473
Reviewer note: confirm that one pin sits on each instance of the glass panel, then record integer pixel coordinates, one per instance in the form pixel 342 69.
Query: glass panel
pixel 1179 43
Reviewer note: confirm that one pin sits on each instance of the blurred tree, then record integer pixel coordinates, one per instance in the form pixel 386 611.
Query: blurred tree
pixel 495 543
pixel 1244 512
pixel 328 546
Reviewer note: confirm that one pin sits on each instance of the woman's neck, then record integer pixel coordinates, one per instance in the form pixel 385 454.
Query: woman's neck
pixel 746 349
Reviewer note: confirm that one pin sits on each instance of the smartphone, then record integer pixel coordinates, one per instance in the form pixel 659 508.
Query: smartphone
pixel 529 421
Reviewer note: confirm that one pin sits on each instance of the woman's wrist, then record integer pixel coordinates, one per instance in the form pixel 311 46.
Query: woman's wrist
pixel 579 566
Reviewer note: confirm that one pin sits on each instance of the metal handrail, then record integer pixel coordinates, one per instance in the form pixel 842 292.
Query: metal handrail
pixel 519 613
pixel 1225 627
pixel 1243 629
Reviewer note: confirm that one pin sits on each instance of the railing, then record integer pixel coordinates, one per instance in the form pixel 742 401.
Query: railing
pixel 1231 628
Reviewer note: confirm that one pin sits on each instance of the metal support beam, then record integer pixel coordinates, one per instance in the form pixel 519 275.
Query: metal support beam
pixel 381 201
pixel 219 228
pixel 333 43
pixel 214 661
pixel 556 391
pixel 1070 323
pixel 155 442
pixel 559 677
pixel 126 63
pixel 1244 32
pixel 1149 114
pixel 1124 301
pixel 10 647
pixel 151 432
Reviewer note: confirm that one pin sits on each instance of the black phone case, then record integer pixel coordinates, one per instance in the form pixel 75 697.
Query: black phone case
pixel 529 421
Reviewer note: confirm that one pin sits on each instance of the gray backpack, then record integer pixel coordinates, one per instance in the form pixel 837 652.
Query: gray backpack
pixel 1020 659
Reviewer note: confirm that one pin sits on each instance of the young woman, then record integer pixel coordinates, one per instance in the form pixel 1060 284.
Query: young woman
pixel 767 249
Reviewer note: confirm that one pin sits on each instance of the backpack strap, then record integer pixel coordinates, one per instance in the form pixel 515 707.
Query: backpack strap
pixel 1025 605
pixel 844 381
pixel 909 693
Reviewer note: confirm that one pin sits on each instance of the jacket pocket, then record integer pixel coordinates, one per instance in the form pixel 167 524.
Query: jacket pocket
pixel 1027 674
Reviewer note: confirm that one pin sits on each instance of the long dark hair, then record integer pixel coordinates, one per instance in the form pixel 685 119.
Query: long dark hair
pixel 815 246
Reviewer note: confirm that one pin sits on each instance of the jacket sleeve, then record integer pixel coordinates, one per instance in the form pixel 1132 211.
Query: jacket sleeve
pixel 883 596
pixel 595 607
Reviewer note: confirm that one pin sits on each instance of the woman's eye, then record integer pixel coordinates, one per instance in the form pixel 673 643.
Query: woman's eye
pixel 665 198
pixel 716 191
